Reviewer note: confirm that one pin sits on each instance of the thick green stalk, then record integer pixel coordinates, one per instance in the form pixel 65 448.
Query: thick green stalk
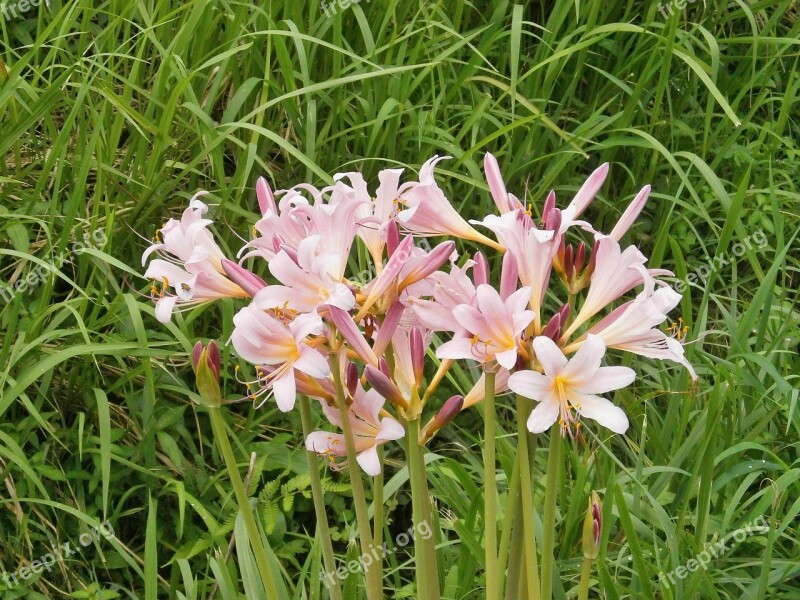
pixel 377 516
pixel 259 552
pixel 317 493
pixel 550 497
pixel 373 576
pixel 424 550
pixel 512 515
pixel 586 574
pixel 526 489
pixel 490 491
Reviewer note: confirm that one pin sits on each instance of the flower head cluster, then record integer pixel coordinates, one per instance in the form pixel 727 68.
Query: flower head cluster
pixel 313 311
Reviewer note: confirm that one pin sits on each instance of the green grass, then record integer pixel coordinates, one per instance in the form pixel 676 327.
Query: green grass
pixel 113 113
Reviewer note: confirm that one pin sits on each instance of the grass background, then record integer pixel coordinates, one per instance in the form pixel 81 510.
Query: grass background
pixel 113 113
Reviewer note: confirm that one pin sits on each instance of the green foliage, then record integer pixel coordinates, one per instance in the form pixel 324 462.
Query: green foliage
pixel 114 112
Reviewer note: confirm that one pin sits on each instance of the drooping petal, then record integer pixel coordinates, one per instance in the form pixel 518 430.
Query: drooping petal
pixel 285 390
pixel 543 416
pixel 604 412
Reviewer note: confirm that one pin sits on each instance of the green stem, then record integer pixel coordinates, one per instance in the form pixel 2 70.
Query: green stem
pixel 377 518
pixel 516 574
pixel 259 551
pixel 372 576
pixel 586 573
pixel 511 516
pixel 550 497
pixel 425 552
pixel 332 583
pixel 529 536
pixel 490 490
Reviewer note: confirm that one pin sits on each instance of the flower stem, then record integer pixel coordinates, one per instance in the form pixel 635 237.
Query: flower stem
pixel 550 498
pixel 425 551
pixel 319 505
pixel 259 551
pixel 373 576
pixel 377 517
pixel 490 491
pixel 586 573
pixel 529 536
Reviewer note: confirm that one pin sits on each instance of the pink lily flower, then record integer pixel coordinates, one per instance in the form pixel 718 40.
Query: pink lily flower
pixel 193 265
pixel 533 248
pixel 567 389
pixel 429 212
pixel 495 326
pixel 308 282
pixel 632 327
pixel 263 340
pixel 448 291
pixel 370 430
pixel 375 215
pixel 196 284
pixel 616 272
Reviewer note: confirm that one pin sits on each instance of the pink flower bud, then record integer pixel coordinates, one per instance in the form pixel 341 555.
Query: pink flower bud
pixel 449 411
pixel 580 257
pixel 592 528
pixel 244 278
pixel 480 272
pixel 351 377
pixel 385 386
pixel 206 363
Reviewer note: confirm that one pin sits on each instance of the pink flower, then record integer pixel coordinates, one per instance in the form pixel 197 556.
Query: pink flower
pixel 632 327
pixel 568 387
pixel 370 430
pixel 192 264
pixel 616 272
pixel 309 281
pixel 429 212
pixel 495 327
pixel 374 216
pixel 448 291
pixel 262 339
pixel 533 249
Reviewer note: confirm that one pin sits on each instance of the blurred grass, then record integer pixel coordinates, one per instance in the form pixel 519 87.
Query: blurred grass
pixel 112 113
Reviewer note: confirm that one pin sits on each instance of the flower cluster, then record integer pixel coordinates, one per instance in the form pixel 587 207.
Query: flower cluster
pixel 359 347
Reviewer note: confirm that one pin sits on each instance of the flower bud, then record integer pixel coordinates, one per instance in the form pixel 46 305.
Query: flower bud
pixel 385 386
pixel 351 377
pixel 447 413
pixel 206 363
pixel 244 278
pixel 480 272
pixel 549 204
pixel 592 528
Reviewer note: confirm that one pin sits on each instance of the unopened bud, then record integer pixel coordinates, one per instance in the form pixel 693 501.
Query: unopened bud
pixel 580 257
pixel 553 222
pixel 351 377
pixel 244 278
pixel 266 199
pixel 592 528
pixel 480 272
pixel 206 363
pixel 553 328
pixel 385 386
pixel 447 413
